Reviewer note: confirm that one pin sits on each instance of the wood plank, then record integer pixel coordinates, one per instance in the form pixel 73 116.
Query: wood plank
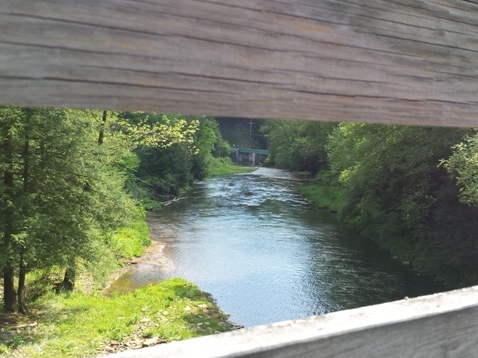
pixel 399 61
pixel 441 325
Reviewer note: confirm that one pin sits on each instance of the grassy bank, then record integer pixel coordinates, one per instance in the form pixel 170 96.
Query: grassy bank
pixel 323 196
pixel 132 240
pixel 117 250
pixel 79 325
pixel 225 166
pixel 86 323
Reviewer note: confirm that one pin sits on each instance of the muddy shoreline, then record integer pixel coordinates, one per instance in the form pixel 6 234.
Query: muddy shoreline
pixel 154 255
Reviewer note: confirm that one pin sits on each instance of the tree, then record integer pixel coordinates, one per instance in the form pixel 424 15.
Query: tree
pixel 297 145
pixel 164 145
pixel 463 164
pixel 156 129
pixel 389 173
pixel 9 118
pixel 174 150
pixel 242 132
pixel 396 191
pixel 208 142
pixel 61 192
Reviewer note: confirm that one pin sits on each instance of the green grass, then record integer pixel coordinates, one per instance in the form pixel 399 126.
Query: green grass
pixel 132 240
pixel 324 196
pixel 79 325
pixel 225 166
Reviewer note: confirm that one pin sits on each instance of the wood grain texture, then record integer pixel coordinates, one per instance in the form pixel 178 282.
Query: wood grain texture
pixel 441 325
pixel 390 61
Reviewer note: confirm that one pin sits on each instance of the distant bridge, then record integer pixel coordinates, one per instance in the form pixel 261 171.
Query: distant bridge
pixel 249 156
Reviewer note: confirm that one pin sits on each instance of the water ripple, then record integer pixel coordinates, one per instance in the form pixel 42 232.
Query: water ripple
pixel 266 255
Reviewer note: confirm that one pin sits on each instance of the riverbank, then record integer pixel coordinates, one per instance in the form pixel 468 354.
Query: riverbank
pixel 268 256
pixel 225 166
pixel 328 197
pixel 86 323
pixel 323 196
pixel 154 255
pixel 81 325
pixel 422 258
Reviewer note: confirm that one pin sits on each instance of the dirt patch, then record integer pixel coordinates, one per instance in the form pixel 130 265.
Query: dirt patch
pixel 155 255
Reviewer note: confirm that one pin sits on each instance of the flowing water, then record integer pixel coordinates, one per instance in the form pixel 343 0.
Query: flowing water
pixel 267 255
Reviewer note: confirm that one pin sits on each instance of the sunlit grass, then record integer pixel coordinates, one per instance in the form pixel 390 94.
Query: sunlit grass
pixel 323 196
pixel 79 325
pixel 132 240
pixel 225 166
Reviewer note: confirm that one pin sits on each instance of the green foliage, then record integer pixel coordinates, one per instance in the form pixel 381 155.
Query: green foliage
pixel 222 149
pixel 206 136
pixel 210 144
pixel 297 145
pixel 76 325
pixel 242 132
pixel 155 129
pixel 463 164
pixel 131 241
pixel 395 191
pixel 322 195
pixel 64 190
pixel 389 173
pixel 171 169
pixel 165 170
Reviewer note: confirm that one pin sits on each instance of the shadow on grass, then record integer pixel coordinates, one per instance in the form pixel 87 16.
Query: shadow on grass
pixel 172 310
pixel 17 329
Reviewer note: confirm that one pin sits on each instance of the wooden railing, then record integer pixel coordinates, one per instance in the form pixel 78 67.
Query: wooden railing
pixel 441 325
pixel 400 61
pixel 382 61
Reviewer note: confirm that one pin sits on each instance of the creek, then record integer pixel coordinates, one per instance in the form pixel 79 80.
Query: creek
pixel 266 254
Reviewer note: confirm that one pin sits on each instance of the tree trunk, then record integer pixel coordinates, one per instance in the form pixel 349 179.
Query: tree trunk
pixel 69 278
pixel 102 129
pixel 8 290
pixel 22 306
pixel 9 296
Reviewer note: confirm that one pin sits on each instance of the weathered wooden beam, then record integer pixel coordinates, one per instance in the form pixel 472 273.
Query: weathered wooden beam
pixel 441 325
pixel 400 61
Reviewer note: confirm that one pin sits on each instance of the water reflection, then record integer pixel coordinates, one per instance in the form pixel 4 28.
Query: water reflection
pixel 266 255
